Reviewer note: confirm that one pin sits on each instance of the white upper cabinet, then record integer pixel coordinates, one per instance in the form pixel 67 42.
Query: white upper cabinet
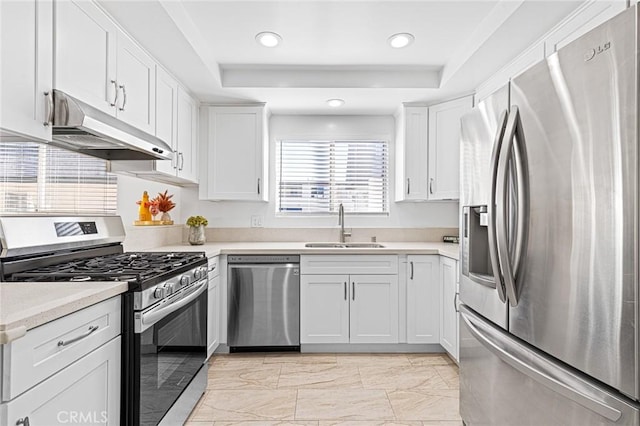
pixel 428 149
pixel 235 150
pixel 444 148
pixel 85 54
pixel 136 79
pixel 167 117
pixel 26 66
pixel 187 155
pixel 98 64
pixel 411 154
pixel 589 16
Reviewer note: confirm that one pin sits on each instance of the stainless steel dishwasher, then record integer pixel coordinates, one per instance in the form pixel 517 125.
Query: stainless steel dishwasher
pixel 263 296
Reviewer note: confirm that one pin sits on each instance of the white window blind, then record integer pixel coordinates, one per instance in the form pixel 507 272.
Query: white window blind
pixel 40 178
pixel 315 176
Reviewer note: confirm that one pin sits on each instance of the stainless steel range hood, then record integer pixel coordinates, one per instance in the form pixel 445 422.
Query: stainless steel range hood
pixel 80 127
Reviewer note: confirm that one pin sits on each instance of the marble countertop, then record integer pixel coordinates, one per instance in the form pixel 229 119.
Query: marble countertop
pixel 217 248
pixel 24 306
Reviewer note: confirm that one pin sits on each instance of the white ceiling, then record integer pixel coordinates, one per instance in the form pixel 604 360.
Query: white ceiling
pixel 335 48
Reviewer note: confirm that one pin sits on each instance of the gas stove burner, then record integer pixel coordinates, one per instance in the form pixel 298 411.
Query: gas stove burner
pixel 80 278
pixel 140 269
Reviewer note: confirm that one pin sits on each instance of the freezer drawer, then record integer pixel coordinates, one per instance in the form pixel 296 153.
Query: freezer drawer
pixel 263 305
pixel 505 382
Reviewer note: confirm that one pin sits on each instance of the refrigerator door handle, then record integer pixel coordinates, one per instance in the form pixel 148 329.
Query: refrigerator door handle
pixel 522 214
pixel 502 200
pixel 491 208
pixel 537 367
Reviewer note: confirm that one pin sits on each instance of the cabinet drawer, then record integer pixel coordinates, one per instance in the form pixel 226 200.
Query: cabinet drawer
pixel 349 264
pixel 47 349
pixel 86 392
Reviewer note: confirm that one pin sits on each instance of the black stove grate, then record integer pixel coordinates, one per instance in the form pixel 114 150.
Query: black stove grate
pixel 134 267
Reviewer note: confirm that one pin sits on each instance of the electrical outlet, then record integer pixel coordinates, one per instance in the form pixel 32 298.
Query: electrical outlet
pixel 256 221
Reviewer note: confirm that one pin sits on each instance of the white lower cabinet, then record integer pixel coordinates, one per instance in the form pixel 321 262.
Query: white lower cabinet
pixel 423 299
pixel 449 320
pixel 324 309
pixel 349 307
pixel 86 392
pixel 373 315
pixel 66 371
pixel 213 307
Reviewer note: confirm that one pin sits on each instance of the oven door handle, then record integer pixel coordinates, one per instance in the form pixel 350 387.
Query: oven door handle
pixel 156 314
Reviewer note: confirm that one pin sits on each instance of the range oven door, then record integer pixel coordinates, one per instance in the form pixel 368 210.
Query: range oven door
pixel 169 348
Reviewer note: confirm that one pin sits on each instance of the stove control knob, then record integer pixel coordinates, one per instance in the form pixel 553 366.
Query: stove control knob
pixel 197 274
pixel 159 293
pixel 169 288
pixel 184 280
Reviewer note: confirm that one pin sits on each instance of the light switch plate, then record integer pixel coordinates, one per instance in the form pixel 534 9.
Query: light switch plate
pixel 256 221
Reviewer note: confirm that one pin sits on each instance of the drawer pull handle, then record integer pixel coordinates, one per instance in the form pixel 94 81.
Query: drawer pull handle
pixel 23 422
pixel 75 339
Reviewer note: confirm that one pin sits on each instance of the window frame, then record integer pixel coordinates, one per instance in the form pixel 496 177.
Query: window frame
pixel 386 193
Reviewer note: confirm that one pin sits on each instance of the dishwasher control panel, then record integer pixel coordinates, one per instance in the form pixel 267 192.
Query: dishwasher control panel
pixel 250 258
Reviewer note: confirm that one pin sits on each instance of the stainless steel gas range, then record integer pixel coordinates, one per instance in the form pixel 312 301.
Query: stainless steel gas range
pixel 164 335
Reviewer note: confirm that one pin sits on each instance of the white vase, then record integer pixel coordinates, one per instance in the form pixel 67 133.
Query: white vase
pixel 196 235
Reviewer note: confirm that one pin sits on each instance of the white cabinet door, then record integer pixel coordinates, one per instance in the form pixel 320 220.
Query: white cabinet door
pixel 324 309
pixel 412 155
pixel 136 77
pixel 86 392
pixel 213 314
pixel 85 52
pixel 449 319
pixel 236 154
pixel 423 299
pixel 166 117
pixel 444 148
pixel 187 158
pixel 590 16
pixel 26 66
pixel 374 309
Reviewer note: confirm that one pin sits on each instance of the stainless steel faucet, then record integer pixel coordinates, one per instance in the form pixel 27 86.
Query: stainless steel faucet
pixel 343 233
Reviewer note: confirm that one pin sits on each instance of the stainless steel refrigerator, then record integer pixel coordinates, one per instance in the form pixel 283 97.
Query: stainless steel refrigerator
pixel 550 248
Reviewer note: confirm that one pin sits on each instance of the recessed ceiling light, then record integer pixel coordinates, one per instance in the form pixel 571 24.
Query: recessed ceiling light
pixel 335 102
pixel 268 39
pixel 401 40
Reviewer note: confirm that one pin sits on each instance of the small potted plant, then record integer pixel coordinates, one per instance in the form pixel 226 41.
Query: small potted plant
pixel 196 229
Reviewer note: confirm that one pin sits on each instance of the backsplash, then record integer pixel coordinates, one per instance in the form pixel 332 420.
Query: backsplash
pixel 326 234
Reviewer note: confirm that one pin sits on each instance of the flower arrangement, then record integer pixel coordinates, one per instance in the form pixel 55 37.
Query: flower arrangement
pixel 197 221
pixel 162 203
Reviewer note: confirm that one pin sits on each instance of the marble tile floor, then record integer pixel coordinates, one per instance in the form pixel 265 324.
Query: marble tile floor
pixel 329 390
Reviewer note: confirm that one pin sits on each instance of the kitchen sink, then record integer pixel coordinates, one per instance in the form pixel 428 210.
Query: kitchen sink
pixel 363 245
pixel 343 245
pixel 324 245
